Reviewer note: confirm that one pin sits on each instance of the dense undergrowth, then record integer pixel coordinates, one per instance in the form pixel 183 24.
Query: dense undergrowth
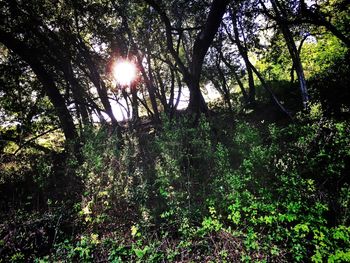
pixel 244 183
pixel 227 190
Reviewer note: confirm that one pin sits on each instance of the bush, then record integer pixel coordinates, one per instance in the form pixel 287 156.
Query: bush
pixel 275 200
pixel 182 193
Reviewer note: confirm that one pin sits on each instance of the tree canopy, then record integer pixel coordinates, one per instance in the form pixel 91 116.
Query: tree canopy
pixel 278 66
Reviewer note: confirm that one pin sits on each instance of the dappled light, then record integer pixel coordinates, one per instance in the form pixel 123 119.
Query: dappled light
pixel 174 131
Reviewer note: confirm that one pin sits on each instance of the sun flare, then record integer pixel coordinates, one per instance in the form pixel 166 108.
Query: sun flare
pixel 124 72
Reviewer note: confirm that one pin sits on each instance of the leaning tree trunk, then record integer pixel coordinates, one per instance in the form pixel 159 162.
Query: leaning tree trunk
pixel 297 64
pixel 267 87
pixel 98 82
pixel 293 52
pixel 233 71
pixel 243 52
pixel 31 56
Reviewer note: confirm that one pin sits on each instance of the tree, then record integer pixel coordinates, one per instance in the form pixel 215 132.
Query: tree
pixel 68 64
pixel 201 44
pixel 281 17
pixel 314 15
pixel 31 56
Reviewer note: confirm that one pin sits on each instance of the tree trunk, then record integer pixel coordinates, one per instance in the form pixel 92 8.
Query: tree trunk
pixel 269 90
pixel 224 89
pixel 201 45
pixel 31 56
pixel 177 101
pixel 151 90
pixel 135 107
pixel 77 92
pixel 148 78
pixel 161 94
pixel 239 82
pixel 299 51
pixel 243 51
pixel 200 48
pixel 98 83
pixel 293 53
pixel 197 103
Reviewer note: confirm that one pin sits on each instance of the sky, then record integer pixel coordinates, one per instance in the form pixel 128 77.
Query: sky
pixel 209 93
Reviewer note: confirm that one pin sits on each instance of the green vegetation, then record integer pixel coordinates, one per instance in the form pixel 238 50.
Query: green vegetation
pixel 260 174
pixel 246 192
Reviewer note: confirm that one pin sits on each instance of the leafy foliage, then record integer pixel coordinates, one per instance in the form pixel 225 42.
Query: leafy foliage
pixel 249 176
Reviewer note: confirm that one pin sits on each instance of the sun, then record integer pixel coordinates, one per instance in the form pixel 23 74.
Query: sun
pixel 124 72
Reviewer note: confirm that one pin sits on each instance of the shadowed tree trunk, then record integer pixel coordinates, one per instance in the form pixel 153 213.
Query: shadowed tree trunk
pixel 204 38
pixel 233 71
pixel 58 57
pixel 244 54
pixel 292 51
pixel 224 89
pixel 32 56
pixel 148 78
pixel 98 82
pixel 267 87
pixel 134 104
pixel 299 51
